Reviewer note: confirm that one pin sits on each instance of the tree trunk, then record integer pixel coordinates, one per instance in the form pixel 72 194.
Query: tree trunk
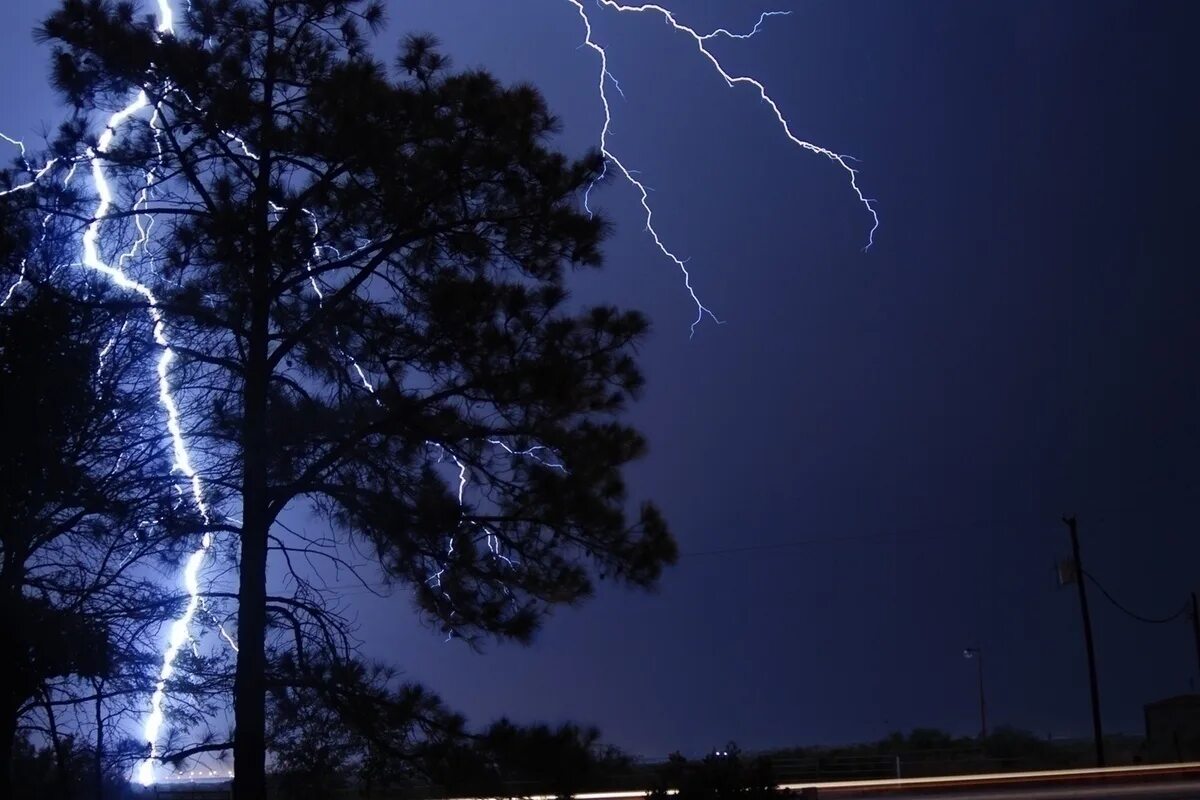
pixel 98 764
pixel 250 681
pixel 8 740
pixel 60 754
pixel 249 688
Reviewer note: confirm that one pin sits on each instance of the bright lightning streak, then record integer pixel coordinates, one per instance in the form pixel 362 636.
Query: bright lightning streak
pixel 20 145
pixel 178 637
pixel 730 80
pixel 93 260
pixel 12 289
pixel 29 184
pixel 183 463
pixel 143 228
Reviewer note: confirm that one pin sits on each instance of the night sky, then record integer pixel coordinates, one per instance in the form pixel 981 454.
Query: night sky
pixel 907 424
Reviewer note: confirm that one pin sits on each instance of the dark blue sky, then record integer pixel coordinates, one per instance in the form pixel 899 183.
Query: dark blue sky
pixel 1020 342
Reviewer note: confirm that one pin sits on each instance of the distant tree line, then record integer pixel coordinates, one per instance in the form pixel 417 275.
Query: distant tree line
pixel 927 752
pixel 507 760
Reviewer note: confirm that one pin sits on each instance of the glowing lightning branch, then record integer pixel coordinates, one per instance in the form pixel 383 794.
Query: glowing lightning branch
pixel 491 540
pixel 531 452
pixel 29 184
pixel 701 309
pixel 37 176
pixel 730 80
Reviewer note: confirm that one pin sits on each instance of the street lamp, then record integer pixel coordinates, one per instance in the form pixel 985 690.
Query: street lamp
pixel 977 654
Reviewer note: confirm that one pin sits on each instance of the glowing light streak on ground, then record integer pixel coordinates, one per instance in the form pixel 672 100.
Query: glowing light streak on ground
pixel 1013 784
pixel 730 80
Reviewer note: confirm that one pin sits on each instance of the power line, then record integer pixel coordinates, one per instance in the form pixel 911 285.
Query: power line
pixel 1148 620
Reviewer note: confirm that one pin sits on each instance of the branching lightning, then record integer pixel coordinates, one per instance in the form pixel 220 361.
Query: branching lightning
pixel 730 80
pixel 114 272
pixel 36 176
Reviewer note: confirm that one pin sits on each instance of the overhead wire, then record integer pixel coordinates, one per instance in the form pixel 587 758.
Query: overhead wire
pixel 1139 617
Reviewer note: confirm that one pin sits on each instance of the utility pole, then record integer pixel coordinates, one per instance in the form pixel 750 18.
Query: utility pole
pixel 977 654
pixel 1097 728
pixel 1196 627
pixel 982 703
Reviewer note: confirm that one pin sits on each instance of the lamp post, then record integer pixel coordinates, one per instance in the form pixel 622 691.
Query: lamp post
pixel 974 653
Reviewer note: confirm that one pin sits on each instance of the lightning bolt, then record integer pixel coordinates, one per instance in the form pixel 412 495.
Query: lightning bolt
pixel 701 41
pixel 94 260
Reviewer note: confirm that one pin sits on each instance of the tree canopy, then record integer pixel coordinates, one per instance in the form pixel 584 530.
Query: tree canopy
pixel 363 273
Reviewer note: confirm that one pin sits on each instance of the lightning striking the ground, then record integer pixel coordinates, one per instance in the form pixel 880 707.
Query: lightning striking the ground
pixel 114 271
pixel 93 259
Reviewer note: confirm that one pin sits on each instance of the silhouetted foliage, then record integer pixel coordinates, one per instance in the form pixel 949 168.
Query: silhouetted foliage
pixel 40 773
pixel 85 507
pixel 510 760
pixel 925 752
pixel 562 760
pixel 363 273
pixel 720 775
pixel 349 725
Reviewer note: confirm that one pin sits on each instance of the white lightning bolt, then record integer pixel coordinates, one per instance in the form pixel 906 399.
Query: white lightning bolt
pixel 93 260
pixel 730 80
